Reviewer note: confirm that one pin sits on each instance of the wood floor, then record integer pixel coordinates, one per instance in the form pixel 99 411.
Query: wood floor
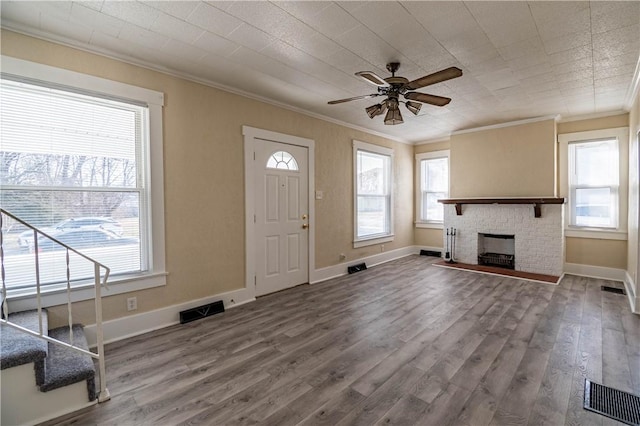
pixel 402 343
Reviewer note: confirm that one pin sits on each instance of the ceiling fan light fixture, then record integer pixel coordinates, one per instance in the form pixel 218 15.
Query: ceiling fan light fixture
pixel 414 107
pixel 377 109
pixel 393 117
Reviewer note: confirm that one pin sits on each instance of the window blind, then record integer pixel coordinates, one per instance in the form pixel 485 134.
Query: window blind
pixel 72 165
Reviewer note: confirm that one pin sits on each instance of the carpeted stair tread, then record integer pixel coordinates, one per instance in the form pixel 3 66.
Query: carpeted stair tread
pixel 18 348
pixel 65 366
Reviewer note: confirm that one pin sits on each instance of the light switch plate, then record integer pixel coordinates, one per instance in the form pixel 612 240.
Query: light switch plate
pixel 319 195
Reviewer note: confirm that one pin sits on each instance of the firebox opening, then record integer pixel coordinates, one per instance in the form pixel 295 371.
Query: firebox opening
pixel 497 250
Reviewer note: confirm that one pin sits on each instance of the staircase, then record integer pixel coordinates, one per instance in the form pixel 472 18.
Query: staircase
pixel 31 366
pixel 47 373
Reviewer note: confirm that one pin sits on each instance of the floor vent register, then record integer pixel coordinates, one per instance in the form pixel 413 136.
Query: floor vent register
pixel 612 403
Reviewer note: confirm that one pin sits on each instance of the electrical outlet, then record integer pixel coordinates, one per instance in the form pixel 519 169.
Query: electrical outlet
pixel 132 303
pixel 381 248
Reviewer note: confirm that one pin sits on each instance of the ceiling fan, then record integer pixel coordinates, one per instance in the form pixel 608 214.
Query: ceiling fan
pixel 393 87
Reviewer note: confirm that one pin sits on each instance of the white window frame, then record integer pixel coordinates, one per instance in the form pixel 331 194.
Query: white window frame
pixel 621 134
pixel 153 172
pixel 433 155
pixel 379 238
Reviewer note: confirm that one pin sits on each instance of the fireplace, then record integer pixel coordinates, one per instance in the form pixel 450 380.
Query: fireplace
pixel 537 240
pixel 497 250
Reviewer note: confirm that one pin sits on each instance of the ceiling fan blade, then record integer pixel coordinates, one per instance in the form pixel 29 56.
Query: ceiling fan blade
pixel 436 77
pixel 373 78
pixel 339 101
pixel 427 99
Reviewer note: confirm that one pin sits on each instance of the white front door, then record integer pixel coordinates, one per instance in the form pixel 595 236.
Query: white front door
pixel 281 218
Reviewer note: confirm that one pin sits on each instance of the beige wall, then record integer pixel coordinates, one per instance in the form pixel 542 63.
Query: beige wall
pixel 514 161
pixel 204 188
pixel 596 252
pixel 633 267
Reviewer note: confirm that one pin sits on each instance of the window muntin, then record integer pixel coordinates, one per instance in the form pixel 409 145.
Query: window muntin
pixel 282 160
pixel 373 192
pixel 594 183
pixel 68 155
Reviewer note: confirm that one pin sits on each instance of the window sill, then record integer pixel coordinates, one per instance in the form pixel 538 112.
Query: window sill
pixel 599 234
pixel 432 225
pixel 372 241
pixel 58 296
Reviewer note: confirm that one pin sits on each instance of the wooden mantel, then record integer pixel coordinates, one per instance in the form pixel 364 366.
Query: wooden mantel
pixel 537 202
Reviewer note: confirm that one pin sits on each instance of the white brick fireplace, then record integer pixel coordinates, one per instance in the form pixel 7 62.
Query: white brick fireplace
pixel 539 241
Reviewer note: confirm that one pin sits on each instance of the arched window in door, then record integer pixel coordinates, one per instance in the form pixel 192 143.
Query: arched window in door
pixel 282 160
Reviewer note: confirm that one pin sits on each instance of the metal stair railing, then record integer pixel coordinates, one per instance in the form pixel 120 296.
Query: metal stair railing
pixel 103 394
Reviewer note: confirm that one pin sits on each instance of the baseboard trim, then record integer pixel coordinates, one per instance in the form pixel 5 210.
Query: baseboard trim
pixel 634 299
pixel 335 271
pixel 134 325
pixel 613 274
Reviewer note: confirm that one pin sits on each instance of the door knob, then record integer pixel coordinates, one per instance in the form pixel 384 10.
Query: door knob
pixel 305 225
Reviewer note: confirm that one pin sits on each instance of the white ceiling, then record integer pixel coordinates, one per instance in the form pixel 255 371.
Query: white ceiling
pixel 520 59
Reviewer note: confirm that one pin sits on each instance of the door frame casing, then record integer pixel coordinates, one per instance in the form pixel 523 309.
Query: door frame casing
pixel 251 137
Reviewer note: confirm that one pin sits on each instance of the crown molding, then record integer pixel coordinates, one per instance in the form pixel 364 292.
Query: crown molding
pixel 96 50
pixel 429 141
pixel 506 124
pixel 591 116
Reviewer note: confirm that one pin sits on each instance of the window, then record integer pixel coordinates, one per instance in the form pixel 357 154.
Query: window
pixel 432 184
pixel 373 167
pixel 80 165
pixel 593 183
pixel 593 178
pixel 282 160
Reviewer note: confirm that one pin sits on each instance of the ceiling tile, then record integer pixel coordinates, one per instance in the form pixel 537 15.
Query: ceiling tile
pixel 567 42
pixel 213 20
pixel 580 52
pixel 333 21
pixel 96 20
pixel 131 11
pixel 381 14
pixel 369 47
pixel 617 42
pixel 215 44
pixel 569 18
pixel 184 51
pixel 607 16
pixel 261 14
pixel 91 4
pixel 20 13
pixel 528 47
pixel 55 9
pixel 179 9
pixel 176 28
pixel 250 37
pixel 498 79
pixel 61 27
pixel 304 10
pixel 504 22
pixel 135 34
